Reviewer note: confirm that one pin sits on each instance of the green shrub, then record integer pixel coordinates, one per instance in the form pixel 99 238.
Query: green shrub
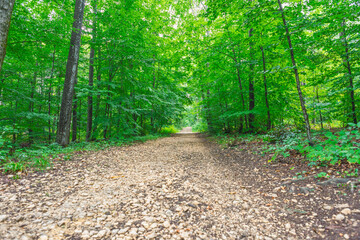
pixel 169 130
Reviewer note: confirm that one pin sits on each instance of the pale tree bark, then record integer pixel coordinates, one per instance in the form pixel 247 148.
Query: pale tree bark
pixel 296 73
pixel 6 8
pixel 63 132
pixel 91 79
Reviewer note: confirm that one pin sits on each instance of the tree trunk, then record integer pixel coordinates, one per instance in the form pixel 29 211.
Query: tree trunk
pixel 98 97
pixel 31 104
pixel 209 119
pixel 318 100
pixel 152 120
pixel 49 94
pixel 268 125
pixel 6 8
pixel 63 133
pixel 251 86
pixel 91 80
pixel 241 126
pixel 351 80
pixel 74 118
pixel 302 101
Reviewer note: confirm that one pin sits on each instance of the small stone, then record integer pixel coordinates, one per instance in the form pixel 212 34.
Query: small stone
pixel 346 236
pixel 169 213
pixel 166 224
pixel 346 211
pixel 133 232
pixel 114 231
pixel 184 235
pixel 145 225
pixel 339 217
pixel 85 234
pixel 152 235
pixel 342 205
pixel 149 219
pixel 154 225
pixel 245 206
pixel 287 226
pixel 328 207
pixel 78 231
pixel 102 233
pixel 3 218
pixel 124 230
pixel 43 237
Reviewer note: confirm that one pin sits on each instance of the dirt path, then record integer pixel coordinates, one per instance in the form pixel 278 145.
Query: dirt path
pixel 171 188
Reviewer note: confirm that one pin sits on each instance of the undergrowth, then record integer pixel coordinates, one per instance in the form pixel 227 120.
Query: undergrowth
pixel 41 156
pixel 330 147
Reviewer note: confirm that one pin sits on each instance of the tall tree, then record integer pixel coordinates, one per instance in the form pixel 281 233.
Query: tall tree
pixel 91 77
pixel 6 8
pixel 296 73
pixel 63 132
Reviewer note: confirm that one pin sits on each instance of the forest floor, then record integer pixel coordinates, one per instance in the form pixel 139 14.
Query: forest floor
pixel 179 187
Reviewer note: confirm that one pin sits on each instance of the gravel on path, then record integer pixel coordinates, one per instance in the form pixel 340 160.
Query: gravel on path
pixel 170 188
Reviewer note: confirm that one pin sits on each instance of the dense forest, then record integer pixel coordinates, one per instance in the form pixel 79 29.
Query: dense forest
pixel 77 71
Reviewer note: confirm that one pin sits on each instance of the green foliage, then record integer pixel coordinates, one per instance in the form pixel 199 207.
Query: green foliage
pixel 329 148
pixel 321 175
pixel 169 130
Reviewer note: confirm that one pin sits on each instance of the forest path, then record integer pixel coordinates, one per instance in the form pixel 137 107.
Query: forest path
pixel 171 188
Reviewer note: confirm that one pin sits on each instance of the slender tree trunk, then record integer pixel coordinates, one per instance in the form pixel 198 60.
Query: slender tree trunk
pixel 268 125
pixel 241 92
pixel 49 95
pixel 91 79
pixel 31 104
pixel 6 8
pixel 209 119
pixel 241 127
pixel 74 118
pixel 349 72
pixel 251 86
pixel 318 100
pixel 298 85
pixel 107 105
pixel 63 132
pixel 152 120
pixel 98 97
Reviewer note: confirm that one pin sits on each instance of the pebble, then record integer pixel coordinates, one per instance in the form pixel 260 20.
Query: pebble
pixel 3 218
pixel 166 224
pixel 328 207
pixel 124 230
pixel 133 232
pixel 346 211
pixel 43 237
pixel 287 226
pixel 102 233
pixel 339 217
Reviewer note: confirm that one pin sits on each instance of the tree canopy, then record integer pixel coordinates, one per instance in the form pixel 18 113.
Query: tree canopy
pixel 242 66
